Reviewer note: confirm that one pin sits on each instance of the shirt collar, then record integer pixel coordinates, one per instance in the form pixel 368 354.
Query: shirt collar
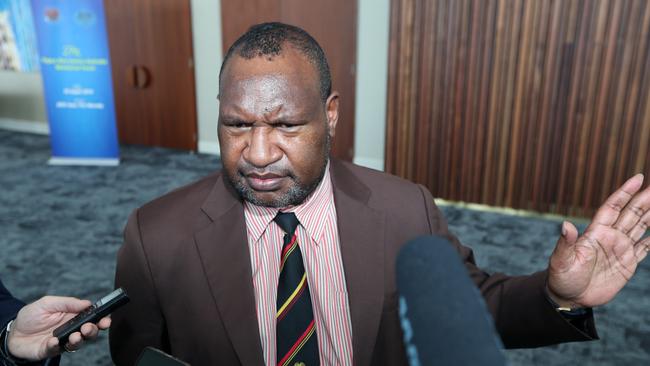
pixel 310 212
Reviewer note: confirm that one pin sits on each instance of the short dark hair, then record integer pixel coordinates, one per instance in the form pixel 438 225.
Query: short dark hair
pixel 267 39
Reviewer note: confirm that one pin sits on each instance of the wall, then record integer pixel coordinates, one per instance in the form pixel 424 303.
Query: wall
pixel 21 102
pixel 534 105
pixel 372 75
pixel 206 30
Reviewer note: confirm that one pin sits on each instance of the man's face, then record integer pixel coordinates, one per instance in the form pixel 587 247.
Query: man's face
pixel 274 129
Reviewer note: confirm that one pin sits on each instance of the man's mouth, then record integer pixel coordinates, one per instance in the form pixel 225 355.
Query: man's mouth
pixel 264 182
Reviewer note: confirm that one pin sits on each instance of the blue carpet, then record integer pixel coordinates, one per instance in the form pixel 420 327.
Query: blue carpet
pixel 60 228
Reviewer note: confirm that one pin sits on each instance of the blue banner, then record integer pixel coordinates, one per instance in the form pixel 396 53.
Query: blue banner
pixel 75 65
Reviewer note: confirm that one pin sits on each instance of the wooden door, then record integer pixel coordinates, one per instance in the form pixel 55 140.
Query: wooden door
pixel 333 23
pixel 153 72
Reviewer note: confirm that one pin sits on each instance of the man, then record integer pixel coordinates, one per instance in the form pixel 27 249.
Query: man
pixel 288 256
pixel 26 335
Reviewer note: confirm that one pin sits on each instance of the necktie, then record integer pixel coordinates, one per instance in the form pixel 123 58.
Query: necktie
pixel 295 328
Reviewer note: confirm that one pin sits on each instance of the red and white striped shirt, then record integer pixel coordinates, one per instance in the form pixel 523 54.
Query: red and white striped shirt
pixel 318 240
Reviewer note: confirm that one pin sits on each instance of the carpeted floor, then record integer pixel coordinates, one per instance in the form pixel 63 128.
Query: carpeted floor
pixel 60 228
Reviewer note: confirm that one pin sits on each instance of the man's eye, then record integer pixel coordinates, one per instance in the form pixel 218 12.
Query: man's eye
pixel 239 125
pixel 287 126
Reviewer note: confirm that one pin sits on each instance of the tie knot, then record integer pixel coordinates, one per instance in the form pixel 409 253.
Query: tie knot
pixel 287 221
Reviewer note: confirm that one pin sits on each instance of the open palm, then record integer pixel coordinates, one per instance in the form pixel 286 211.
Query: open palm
pixel 590 270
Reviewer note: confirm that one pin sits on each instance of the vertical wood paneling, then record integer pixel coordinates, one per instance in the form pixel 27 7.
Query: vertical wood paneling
pixel 541 105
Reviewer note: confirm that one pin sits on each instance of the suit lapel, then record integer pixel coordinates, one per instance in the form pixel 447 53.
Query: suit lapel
pixel 226 262
pixel 361 231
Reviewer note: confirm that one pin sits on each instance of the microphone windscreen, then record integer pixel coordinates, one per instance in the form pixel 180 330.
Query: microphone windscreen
pixel 443 316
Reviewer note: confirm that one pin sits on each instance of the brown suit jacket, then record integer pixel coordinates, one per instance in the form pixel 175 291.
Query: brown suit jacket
pixel 185 264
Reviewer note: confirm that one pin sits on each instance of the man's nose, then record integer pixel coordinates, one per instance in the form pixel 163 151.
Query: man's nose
pixel 262 150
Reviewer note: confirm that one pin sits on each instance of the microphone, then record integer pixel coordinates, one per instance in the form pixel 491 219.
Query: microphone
pixel 443 316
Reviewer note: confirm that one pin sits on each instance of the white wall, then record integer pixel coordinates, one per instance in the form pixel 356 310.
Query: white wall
pixel 21 102
pixel 206 32
pixel 372 78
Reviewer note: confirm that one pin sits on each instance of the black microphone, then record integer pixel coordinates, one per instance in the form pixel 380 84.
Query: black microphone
pixel 443 316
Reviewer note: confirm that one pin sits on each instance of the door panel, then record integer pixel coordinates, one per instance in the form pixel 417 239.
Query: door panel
pixel 153 74
pixel 238 16
pixel 120 23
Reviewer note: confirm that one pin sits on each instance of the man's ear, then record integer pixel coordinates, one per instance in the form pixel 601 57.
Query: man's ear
pixel 332 112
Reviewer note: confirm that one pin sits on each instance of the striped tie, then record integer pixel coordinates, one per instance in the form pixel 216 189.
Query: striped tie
pixel 296 331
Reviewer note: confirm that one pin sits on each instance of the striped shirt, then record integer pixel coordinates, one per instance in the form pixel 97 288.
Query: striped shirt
pixel 318 240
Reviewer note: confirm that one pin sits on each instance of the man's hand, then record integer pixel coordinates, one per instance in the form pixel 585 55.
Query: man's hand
pixel 590 270
pixel 31 334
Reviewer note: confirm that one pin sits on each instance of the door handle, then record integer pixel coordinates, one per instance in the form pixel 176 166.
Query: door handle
pixel 138 76
pixel 143 77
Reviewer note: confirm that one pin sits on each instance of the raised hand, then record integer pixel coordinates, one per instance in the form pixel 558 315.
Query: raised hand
pixel 590 270
pixel 31 335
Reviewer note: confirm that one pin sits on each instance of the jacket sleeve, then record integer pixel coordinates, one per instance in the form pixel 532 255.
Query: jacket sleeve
pixel 140 323
pixel 9 306
pixel 522 314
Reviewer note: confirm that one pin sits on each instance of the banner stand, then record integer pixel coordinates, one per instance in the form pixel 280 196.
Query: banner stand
pixel 77 81
pixel 83 161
